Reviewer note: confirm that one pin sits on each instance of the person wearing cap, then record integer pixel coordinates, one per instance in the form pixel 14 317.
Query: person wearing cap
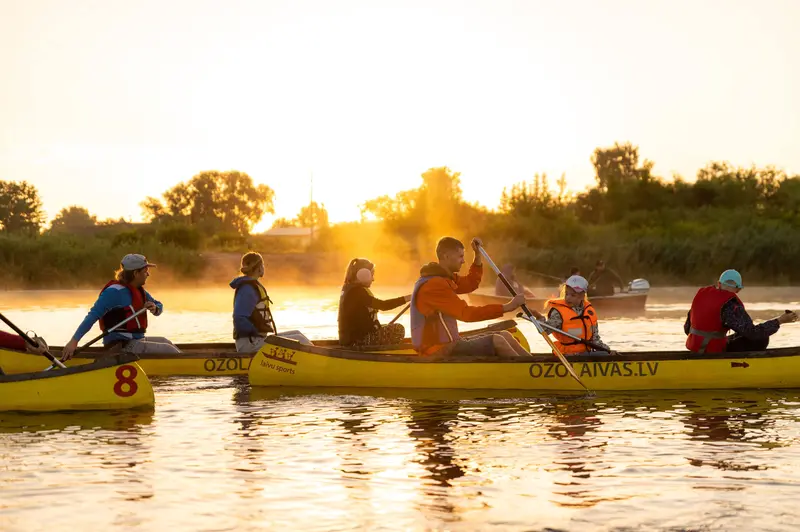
pixel 509 272
pixel 436 308
pixel 602 280
pixel 716 310
pixel 573 271
pixel 573 313
pixel 120 299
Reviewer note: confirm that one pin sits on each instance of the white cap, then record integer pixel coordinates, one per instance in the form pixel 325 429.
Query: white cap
pixel 577 283
pixel 134 262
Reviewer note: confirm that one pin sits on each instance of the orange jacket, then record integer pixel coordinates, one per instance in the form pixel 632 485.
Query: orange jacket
pixel 439 294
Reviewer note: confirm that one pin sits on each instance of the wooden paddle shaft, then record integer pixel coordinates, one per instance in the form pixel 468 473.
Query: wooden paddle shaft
pixel 593 345
pixel 536 324
pixel 112 329
pixel 508 285
pixel 400 313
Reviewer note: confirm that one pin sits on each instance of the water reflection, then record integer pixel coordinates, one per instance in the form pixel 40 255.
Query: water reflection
pixel 43 424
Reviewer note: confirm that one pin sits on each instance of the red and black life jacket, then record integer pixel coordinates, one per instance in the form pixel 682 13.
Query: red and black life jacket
pixel 707 334
pixel 116 315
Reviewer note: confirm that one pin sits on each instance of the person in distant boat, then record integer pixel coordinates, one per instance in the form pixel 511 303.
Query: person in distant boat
pixel 120 299
pixel 573 271
pixel 18 343
pixel 511 275
pixel 358 309
pixel 252 317
pixel 573 313
pixel 716 310
pixel 602 280
pixel 436 308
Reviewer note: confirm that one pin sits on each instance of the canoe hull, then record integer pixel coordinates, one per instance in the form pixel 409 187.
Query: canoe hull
pixel 624 304
pixel 115 383
pixel 286 363
pixel 200 360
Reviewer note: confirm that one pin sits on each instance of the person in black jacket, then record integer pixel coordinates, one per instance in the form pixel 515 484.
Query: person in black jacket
pixel 358 309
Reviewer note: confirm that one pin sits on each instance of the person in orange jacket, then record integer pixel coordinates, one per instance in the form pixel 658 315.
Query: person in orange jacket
pixel 436 307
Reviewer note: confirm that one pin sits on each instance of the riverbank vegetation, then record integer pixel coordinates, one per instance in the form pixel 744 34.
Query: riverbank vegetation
pixel 668 230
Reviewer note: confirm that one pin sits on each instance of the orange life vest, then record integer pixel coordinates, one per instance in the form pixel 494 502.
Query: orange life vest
pixel 580 325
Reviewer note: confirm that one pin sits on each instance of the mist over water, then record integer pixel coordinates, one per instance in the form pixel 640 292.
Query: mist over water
pixel 219 455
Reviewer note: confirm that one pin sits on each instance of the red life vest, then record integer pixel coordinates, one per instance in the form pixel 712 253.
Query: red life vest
pixel 706 333
pixel 116 315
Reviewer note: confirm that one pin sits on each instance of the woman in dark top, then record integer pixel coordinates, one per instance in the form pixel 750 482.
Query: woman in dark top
pixel 358 309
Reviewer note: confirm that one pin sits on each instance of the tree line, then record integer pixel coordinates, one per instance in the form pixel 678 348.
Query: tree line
pixel 647 225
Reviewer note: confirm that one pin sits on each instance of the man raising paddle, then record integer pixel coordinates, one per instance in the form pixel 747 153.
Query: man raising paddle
pixel 436 307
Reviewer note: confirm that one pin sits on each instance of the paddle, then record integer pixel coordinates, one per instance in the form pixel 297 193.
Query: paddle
pixel 31 341
pixel 535 322
pixel 559 280
pixel 104 334
pixel 400 313
pixel 112 329
pixel 589 343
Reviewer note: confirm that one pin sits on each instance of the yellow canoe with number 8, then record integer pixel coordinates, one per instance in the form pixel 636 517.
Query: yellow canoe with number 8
pixel 111 383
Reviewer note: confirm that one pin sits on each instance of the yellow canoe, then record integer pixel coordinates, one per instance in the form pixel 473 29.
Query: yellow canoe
pixel 111 383
pixel 283 362
pixel 204 359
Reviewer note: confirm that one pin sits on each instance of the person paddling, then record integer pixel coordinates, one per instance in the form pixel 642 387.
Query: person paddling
pixel 716 310
pixel 358 309
pixel 573 313
pixel 602 280
pixel 252 317
pixel 120 299
pixel 436 307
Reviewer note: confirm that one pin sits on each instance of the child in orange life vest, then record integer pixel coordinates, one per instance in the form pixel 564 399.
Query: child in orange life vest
pixel 573 313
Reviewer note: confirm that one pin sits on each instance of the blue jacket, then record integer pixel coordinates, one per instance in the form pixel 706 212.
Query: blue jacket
pixel 112 298
pixel 244 303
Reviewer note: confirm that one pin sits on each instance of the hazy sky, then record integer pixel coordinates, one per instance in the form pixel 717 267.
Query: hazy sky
pixel 104 102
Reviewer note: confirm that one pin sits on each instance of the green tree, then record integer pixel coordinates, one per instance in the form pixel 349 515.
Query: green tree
pixel 723 185
pixel 214 201
pixel 528 197
pixel 623 185
pixel 618 166
pixel 73 219
pixel 20 207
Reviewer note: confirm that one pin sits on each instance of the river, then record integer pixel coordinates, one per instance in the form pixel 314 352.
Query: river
pixel 217 455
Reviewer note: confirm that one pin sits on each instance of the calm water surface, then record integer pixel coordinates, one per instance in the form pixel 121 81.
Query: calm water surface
pixel 217 455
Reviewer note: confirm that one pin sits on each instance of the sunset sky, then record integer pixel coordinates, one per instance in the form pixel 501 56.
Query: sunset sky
pixel 105 102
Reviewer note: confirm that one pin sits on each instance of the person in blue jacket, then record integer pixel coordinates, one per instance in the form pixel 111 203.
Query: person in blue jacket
pixel 252 317
pixel 120 299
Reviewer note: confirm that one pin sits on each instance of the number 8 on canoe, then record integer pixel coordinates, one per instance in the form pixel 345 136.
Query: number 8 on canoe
pixel 126 380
